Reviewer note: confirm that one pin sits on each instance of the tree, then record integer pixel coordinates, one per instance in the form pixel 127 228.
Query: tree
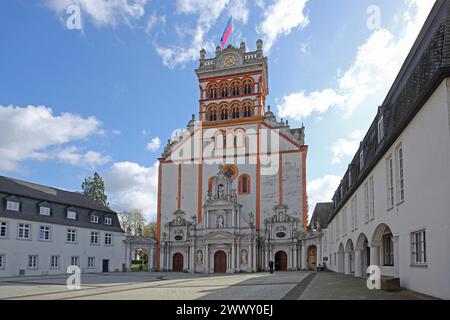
pixel 94 188
pixel 132 220
pixel 150 230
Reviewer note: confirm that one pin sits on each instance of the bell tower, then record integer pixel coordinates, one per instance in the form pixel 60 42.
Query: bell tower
pixel 233 85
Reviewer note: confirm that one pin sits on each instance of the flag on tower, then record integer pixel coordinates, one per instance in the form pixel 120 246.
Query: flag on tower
pixel 227 32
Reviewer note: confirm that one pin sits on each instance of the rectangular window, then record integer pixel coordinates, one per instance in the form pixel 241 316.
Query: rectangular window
pixel 400 176
pixel 44 211
pixel 3 229
pixel 12 206
pixel 94 237
pixel 75 261
pixel 44 233
pixel 380 129
pixel 108 239
pixel 388 248
pixel 419 248
pixel 71 235
pixel 361 160
pixel 108 221
pixel 371 199
pixel 2 261
pixel 91 262
pixel 366 202
pixel 33 262
pixel 390 183
pixel 94 219
pixel 72 215
pixel 54 262
pixel 24 231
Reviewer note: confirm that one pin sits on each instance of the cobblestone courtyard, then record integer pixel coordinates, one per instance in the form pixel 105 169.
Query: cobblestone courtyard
pixel 179 286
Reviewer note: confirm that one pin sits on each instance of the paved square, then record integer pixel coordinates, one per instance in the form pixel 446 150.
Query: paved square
pixel 180 286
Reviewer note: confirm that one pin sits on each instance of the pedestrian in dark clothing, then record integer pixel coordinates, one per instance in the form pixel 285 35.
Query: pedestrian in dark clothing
pixel 271 266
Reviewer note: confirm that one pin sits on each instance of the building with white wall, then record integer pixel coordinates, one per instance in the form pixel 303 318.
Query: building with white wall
pixel 232 188
pixel 392 208
pixel 44 230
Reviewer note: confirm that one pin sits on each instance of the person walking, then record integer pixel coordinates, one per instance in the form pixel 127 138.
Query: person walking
pixel 271 263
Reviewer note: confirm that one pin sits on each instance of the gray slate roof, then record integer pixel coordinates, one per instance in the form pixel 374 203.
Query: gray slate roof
pixel 322 213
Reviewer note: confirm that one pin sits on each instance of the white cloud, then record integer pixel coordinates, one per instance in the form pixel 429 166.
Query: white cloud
pixel 207 13
pixel 373 71
pixel 28 133
pixel 321 190
pixel 154 144
pixel 90 159
pixel 346 147
pixel 131 186
pixel 154 20
pixel 103 12
pixel 281 18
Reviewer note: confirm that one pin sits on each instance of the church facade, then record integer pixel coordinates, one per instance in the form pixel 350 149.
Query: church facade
pixel 232 187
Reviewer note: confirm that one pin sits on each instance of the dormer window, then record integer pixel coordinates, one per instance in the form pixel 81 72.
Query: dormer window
pixel 94 218
pixel 349 179
pixel 12 205
pixel 72 215
pixel 380 129
pixel 44 211
pixel 108 221
pixel 361 160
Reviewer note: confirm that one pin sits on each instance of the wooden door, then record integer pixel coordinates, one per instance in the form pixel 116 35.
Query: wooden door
pixel 177 265
pixel 281 261
pixel 312 258
pixel 220 262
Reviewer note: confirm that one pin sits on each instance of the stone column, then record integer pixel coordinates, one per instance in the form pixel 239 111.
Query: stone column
pixel 206 259
pixel 254 257
pixel 238 257
pixel 358 263
pixel 295 258
pixel 304 257
pixel 233 258
pixel 347 263
pixel 250 258
pixel 374 256
pixel 396 255
pixel 151 267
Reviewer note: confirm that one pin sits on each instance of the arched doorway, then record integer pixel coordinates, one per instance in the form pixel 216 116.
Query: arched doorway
pixel 312 258
pixel 385 254
pixel 281 261
pixel 220 262
pixel 362 245
pixel 349 263
pixel 177 265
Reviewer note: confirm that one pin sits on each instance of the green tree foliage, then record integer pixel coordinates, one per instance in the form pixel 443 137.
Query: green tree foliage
pixel 94 188
pixel 150 230
pixel 133 221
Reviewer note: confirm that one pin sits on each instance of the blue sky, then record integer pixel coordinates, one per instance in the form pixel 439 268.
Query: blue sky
pixel 76 101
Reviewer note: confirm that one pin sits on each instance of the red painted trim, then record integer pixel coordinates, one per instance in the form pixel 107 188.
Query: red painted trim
pixel 304 193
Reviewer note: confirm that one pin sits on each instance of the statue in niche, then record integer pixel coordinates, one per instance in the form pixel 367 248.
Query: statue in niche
pixel 220 222
pixel 221 191
pixel 251 219
pixel 280 216
pixel 199 257
pixel 233 195
pixel 244 256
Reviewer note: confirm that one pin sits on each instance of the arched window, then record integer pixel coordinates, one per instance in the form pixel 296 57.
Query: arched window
pixel 224 90
pixel 244 184
pixel 211 183
pixel 235 88
pixel 247 108
pixel 224 114
pixel 235 111
pixel 212 114
pixel 239 138
pixel 212 91
pixel 248 85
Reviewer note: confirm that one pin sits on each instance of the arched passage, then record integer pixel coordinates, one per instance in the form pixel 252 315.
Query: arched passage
pixel 349 264
pixel 281 261
pixel 383 242
pixel 177 265
pixel 363 250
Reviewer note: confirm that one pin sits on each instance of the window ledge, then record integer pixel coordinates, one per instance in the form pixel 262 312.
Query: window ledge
pixel 413 265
